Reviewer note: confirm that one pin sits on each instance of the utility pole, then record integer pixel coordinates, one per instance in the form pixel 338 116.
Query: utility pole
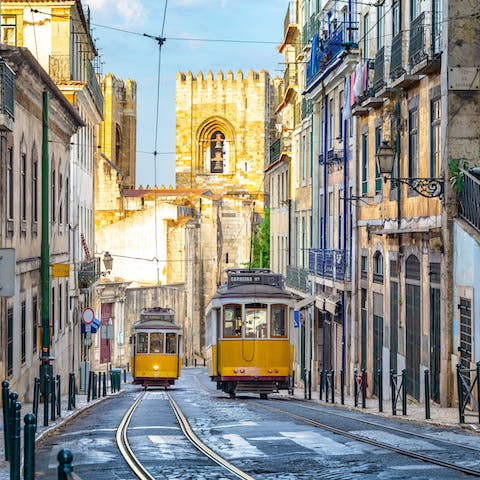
pixel 46 368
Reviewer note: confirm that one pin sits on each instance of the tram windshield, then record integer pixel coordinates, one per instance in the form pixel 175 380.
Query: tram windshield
pixel 142 342
pixel 171 345
pixel 278 327
pixel 255 320
pixel 232 320
pixel 156 342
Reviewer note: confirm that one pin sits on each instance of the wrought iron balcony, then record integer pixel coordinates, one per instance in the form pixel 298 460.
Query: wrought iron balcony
pixel 396 61
pixel 326 51
pixel 329 263
pixel 275 149
pixel 469 199
pixel 89 273
pixel 307 108
pixel 310 29
pixel 379 70
pixel 6 96
pixel 416 50
pixel 297 278
pixel 289 77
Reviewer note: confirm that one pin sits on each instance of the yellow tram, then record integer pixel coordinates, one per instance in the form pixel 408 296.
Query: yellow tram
pixel 249 343
pixel 157 348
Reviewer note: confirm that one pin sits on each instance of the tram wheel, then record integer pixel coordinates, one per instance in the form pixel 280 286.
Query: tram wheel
pixel 263 396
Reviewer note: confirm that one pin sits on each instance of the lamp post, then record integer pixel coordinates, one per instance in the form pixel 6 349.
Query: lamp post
pixel 427 187
pixel 107 261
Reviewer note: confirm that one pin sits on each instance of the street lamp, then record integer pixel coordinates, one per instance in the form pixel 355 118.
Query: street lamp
pixel 107 261
pixel 427 187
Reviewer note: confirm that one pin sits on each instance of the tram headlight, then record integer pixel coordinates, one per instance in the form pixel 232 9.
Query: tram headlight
pixel 242 370
pixel 155 367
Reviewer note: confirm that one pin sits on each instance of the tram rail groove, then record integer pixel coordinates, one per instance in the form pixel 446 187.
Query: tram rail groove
pixel 136 466
pixel 359 438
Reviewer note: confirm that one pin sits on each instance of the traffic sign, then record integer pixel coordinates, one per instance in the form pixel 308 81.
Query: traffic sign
pixel 296 319
pixel 88 315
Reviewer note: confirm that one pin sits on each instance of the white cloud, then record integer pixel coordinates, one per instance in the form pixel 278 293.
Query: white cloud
pixel 130 11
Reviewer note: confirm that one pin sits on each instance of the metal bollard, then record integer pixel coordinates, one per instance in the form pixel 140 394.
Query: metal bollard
pixel 364 389
pixel 53 398
pixel 355 386
pixel 36 397
pixel 70 388
pixel 125 376
pixel 478 389
pixel 380 389
pixel 99 395
pixel 65 467
pixel 460 394
pixel 305 383
pixel 404 392
pixel 15 441
pixel 427 393
pixel 74 392
pixel 94 388
pixel 6 418
pixel 46 397
pixel 195 362
pixel 89 388
pixel 342 387
pixel 104 379
pixel 59 395
pixel 309 384
pixel 333 386
pixel 321 384
pixel 29 446
pixel 204 363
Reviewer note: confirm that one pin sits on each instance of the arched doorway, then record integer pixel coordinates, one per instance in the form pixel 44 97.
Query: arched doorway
pixel 413 325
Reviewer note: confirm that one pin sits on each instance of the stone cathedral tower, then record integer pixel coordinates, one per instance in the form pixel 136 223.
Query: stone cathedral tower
pixel 223 132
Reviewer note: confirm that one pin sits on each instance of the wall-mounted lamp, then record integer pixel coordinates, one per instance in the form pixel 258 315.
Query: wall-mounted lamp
pixel 427 187
pixel 107 262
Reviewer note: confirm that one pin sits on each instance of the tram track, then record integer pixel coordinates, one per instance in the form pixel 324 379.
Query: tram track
pixel 140 471
pixel 375 443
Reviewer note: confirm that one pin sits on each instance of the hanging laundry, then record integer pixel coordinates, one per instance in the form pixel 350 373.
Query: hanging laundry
pixel 347 111
pixel 357 88
pixel 365 77
pixel 352 84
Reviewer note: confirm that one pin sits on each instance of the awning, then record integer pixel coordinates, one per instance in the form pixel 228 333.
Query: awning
pixel 320 301
pixel 332 304
pixel 305 302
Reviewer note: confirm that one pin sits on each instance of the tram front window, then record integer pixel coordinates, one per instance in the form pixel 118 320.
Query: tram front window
pixel 142 343
pixel 156 342
pixel 279 321
pixel 232 320
pixel 171 345
pixel 256 320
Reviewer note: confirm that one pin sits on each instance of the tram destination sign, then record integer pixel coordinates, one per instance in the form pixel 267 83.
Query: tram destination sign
pixel 243 278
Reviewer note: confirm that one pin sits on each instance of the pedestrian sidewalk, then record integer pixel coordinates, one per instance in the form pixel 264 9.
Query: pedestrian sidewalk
pixel 440 416
pixel 81 405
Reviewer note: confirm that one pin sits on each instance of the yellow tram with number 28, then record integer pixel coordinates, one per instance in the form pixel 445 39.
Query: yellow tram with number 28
pixel 157 348
pixel 249 342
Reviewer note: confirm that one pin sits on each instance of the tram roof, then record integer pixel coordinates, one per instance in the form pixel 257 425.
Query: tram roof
pixel 155 323
pixel 252 290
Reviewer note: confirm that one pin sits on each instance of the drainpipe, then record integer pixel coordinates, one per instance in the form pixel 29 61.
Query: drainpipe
pixel 345 185
pixel 325 197
pixel 46 367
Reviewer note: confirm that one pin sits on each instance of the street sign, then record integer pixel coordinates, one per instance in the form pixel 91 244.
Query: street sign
pixel 88 315
pixel 296 319
pixel 7 272
pixel 107 332
pixel 60 269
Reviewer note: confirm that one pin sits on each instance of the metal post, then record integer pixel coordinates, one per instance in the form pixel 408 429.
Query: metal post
pixel 99 385
pixel 104 379
pixel 305 383
pixel 478 390
pixel 404 392
pixel 29 446
pixel 125 373
pixel 321 384
pixel 342 387
pixel 65 467
pixel 74 391
pixel 46 397
pixel 94 388
pixel 309 384
pixel 15 445
pixel 380 389
pixel 394 392
pixel 427 393
pixel 59 396
pixel 70 391
pixel 90 383
pixel 36 397
pixel 53 400
pixel 364 389
pixel 6 418
pixel 333 386
pixel 355 386
pixel 327 386
pixel 460 394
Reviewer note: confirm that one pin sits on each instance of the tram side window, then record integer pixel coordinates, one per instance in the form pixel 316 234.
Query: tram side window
pixel 156 342
pixel 142 343
pixel 279 321
pixel 256 320
pixel 232 320
pixel 171 345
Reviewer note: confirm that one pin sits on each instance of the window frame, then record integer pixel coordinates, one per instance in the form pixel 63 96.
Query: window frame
pixel 285 320
pixel 234 319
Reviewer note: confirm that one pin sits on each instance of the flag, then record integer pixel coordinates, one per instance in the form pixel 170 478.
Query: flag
pixel 347 110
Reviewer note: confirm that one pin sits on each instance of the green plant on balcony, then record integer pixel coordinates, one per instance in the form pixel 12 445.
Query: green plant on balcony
pixel 456 168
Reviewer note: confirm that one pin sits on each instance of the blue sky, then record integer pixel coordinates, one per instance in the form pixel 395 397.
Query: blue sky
pixel 136 56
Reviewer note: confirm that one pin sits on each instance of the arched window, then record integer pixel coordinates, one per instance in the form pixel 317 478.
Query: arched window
pixel 378 267
pixel 118 144
pixel 217 152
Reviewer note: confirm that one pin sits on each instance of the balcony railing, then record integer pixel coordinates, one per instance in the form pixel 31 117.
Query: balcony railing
pixel 289 77
pixel 416 49
pixel 326 51
pixel 379 70
pixel 469 199
pixel 6 90
pixel 307 108
pixel 89 273
pixel 396 61
pixel 275 149
pixel 61 70
pixel 297 278
pixel 310 29
pixel 329 263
